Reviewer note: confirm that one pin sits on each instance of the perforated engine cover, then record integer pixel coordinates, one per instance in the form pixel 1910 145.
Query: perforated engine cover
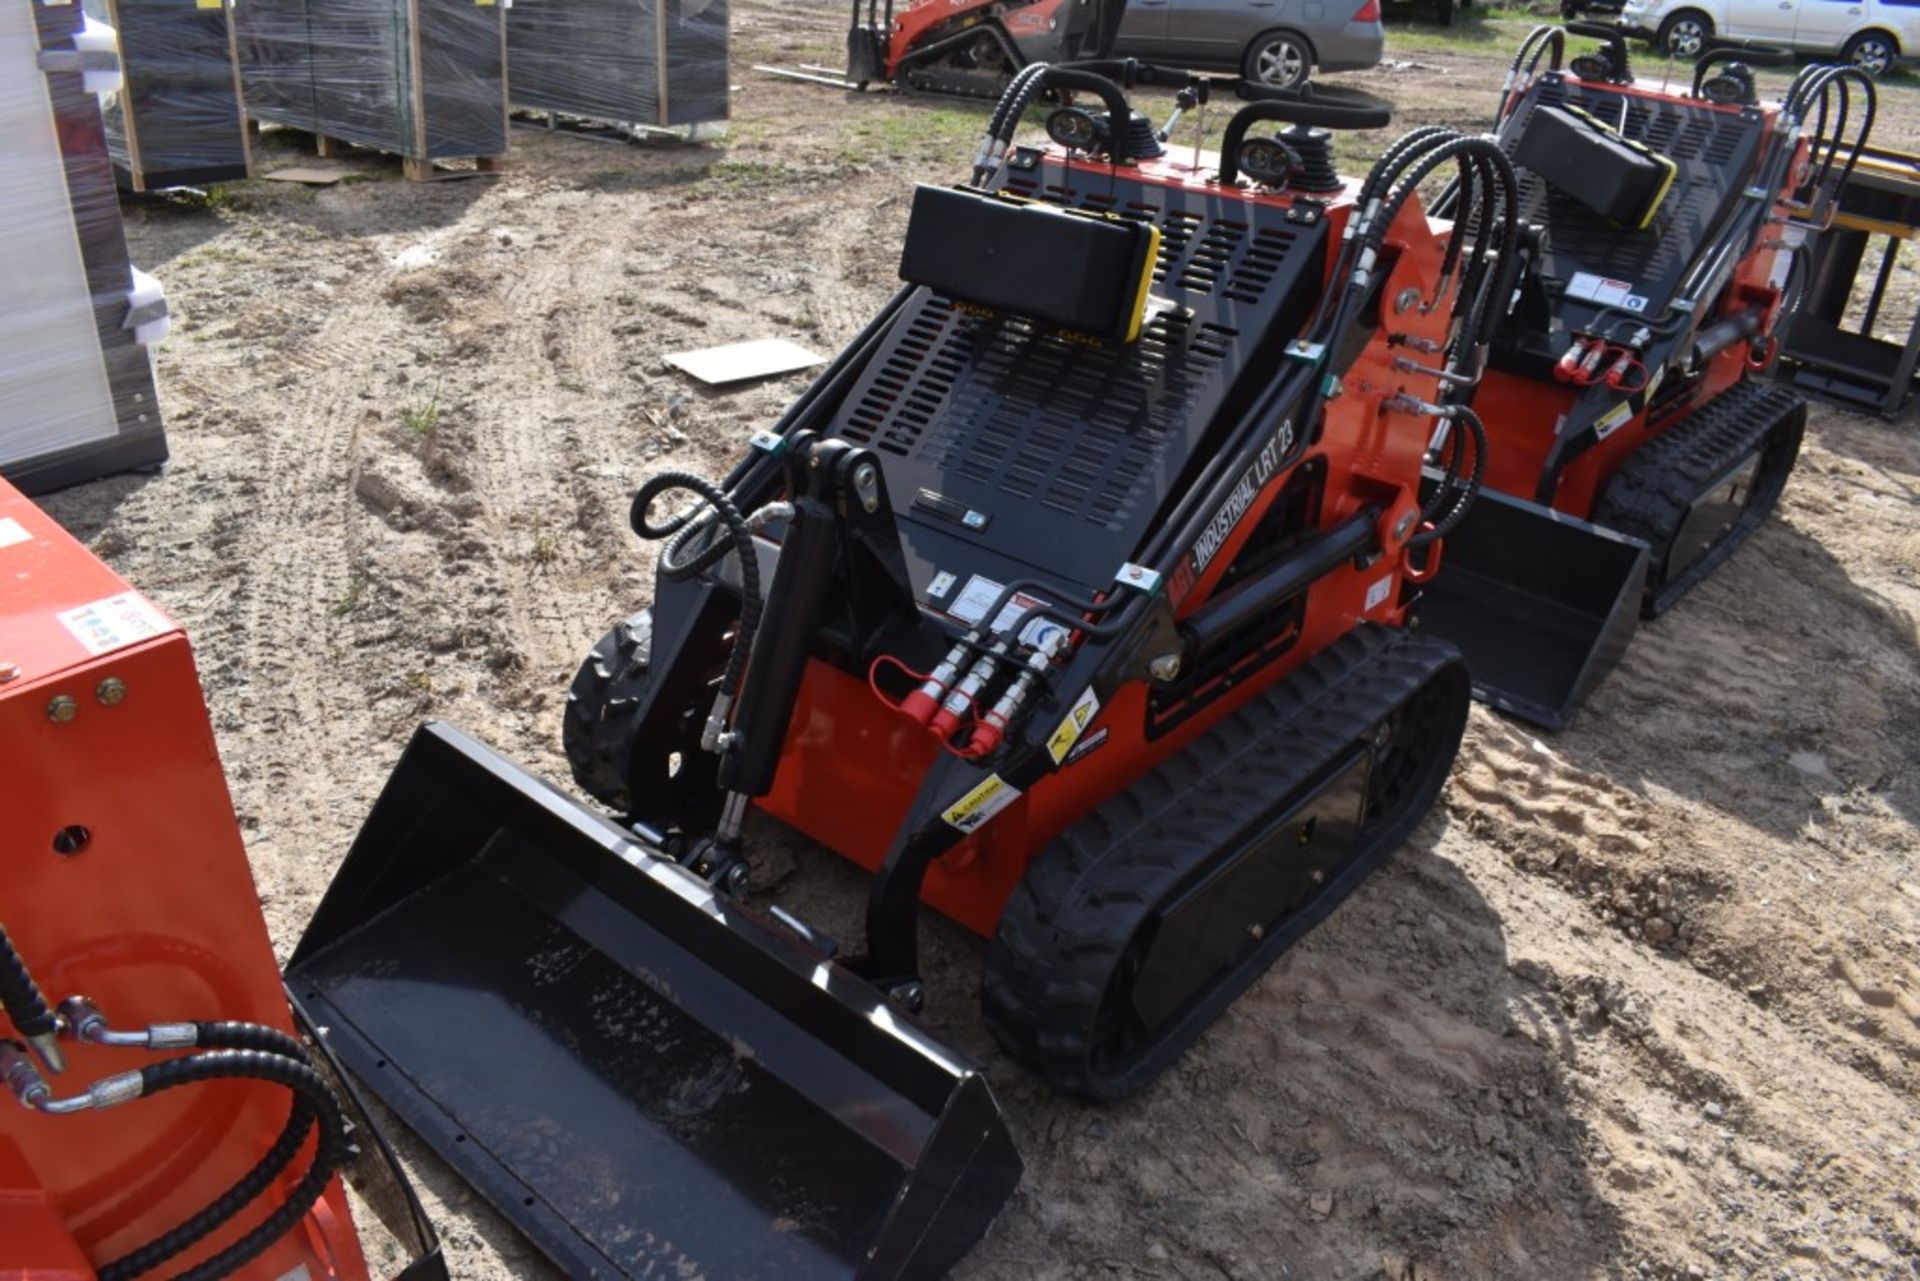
pixel 1064 452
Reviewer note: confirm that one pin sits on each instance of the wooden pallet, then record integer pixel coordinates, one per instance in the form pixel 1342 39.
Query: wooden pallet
pixel 416 168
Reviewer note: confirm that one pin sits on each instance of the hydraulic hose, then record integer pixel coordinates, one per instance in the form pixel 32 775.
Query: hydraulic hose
pixel 682 529
pixel 25 1006
pixel 1453 497
pixel 312 1101
pixel 312 1096
pixel 217 1212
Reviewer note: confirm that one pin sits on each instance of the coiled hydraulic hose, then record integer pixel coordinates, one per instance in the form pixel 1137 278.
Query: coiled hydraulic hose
pixel 683 529
pixel 227 1035
pixel 332 1151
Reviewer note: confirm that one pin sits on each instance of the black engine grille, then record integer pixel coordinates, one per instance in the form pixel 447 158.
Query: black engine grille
pixel 1069 449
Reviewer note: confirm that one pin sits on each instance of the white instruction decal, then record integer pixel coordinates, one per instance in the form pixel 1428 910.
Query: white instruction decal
pixel 11 532
pixel 1078 717
pixel 1606 292
pixel 114 623
pixel 942 584
pixel 1377 593
pixel 972 811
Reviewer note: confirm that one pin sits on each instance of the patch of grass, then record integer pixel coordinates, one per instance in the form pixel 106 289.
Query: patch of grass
pixel 356 588
pixel 643 177
pixel 420 682
pixel 422 417
pixel 739 175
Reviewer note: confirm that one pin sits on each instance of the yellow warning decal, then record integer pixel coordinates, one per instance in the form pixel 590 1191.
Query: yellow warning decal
pixel 1079 716
pixel 972 811
pixel 1613 419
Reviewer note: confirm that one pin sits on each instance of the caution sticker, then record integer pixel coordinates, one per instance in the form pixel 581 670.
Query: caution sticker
pixel 1612 420
pixel 972 811
pixel 1079 716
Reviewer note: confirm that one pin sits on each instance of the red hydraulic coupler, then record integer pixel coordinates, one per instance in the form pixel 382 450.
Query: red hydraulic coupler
pixel 920 706
pixel 961 699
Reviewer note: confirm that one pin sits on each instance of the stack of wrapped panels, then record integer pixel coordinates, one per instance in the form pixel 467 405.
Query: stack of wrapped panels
pixel 76 380
pixel 177 120
pixel 425 79
pixel 637 62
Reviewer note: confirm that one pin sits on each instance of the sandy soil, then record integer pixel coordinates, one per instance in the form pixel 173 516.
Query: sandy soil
pixel 1639 1000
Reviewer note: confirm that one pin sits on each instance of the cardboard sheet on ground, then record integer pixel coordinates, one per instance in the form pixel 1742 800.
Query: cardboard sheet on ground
pixel 313 175
pixel 737 362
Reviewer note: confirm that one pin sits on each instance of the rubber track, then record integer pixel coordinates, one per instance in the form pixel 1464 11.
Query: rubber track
pixel 1649 497
pixel 597 737
pixel 1085 894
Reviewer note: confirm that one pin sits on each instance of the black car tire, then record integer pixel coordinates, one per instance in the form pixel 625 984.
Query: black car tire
pixel 1872 52
pixel 1280 59
pixel 1684 34
pixel 1443 10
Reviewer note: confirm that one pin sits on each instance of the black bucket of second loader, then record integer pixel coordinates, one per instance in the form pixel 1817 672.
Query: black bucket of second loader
pixel 1541 605
pixel 646 1079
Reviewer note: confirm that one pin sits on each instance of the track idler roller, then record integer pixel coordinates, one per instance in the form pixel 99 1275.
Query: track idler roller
pixel 1137 927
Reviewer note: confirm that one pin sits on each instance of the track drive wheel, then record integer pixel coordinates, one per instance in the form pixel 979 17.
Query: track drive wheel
pixel 1141 923
pixel 655 772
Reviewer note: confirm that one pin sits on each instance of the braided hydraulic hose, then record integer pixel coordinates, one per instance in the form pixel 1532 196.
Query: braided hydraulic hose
pixel 1453 497
pixel 682 529
pixel 217 1212
pixel 20 996
pixel 313 1101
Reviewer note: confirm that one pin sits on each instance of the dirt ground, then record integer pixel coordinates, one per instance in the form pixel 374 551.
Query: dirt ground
pixel 1640 999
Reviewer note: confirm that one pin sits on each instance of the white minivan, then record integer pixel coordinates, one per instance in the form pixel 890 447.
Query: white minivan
pixel 1871 34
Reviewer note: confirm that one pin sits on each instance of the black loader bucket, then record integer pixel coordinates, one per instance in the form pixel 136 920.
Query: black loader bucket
pixel 1541 604
pixel 646 1080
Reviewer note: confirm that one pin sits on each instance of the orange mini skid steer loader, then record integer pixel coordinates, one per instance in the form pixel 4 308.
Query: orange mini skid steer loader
pixel 1635 437
pixel 972 48
pixel 1070 601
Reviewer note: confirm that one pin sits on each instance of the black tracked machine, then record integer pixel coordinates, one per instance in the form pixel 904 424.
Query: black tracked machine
pixel 1635 437
pixel 1070 600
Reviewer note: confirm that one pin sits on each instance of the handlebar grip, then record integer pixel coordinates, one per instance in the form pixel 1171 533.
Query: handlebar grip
pixel 1597 31
pixel 1752 55
pixel 1293 106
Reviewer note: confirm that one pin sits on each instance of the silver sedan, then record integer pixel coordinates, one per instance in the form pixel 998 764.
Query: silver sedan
pixel 1277 42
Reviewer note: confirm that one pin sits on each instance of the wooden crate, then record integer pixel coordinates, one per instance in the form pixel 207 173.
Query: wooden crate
pixel 178 121
pixel 634 62
pixel 422 79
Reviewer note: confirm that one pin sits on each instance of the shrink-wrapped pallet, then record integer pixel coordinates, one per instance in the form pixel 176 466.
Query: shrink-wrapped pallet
pixel 76 379
pixel 178 119
pixel 424 79
pixel 634 62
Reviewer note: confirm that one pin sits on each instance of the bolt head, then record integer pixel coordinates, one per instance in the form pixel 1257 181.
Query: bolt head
pixel 62 708
pixel 1406 298
pixel 1165 668
pixel 9 672
pixel 111 691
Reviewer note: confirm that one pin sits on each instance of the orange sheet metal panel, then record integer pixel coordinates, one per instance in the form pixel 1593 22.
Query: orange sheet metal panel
pixel 123 878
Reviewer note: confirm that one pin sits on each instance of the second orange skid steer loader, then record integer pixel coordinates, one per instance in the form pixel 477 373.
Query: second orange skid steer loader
pixel 1070 601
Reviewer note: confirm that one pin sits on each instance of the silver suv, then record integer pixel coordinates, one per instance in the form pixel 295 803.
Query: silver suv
pixel 1278 42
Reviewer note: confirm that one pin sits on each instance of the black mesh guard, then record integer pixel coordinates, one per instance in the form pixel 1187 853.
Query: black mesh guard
pixel 1714 152
pixel 1067 452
